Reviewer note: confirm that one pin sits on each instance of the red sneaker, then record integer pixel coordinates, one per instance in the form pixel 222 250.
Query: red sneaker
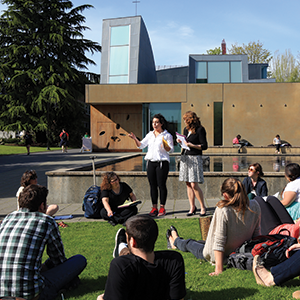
pixel 162 212
pixel 153 212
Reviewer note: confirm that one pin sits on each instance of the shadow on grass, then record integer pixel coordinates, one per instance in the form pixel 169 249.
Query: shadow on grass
pixel 88 286
pixel 232 293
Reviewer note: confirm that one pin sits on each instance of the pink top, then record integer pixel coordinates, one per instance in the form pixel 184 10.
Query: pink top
pixel 235 141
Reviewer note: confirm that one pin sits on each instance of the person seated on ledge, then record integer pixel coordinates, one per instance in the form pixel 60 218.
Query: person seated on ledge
pixel 24 234
pixel 291 193
pixel 277 143
pixel 237 141
pixel 138 272
pixel 115 193
pixel 254 184
pixel 236 219
pixel 30 177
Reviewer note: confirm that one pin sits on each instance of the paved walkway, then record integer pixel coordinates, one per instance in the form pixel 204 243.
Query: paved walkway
pixel 13 166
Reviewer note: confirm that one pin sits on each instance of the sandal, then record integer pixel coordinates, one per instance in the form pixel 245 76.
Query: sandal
pixel 62 224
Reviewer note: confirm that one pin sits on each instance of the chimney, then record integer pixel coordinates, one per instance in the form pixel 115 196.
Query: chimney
pixel 223 45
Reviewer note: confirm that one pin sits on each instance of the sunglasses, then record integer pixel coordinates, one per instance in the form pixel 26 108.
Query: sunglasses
pixel 251 169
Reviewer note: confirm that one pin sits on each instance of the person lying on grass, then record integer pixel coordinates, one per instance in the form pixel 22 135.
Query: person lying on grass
pixel 236 219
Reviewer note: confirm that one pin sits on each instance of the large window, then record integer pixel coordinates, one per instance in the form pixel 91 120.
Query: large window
pixel 119 54
pixel 171 112
pixel 218 71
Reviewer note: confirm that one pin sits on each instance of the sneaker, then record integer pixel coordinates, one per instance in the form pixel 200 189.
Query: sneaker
pixel 120 238
pixel 162 212
pixel 153 212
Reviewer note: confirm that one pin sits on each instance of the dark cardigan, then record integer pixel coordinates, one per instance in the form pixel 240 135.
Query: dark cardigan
pixel 197 138
pixel 260 188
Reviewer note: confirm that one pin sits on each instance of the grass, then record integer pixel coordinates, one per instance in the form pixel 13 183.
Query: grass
pixel 10 150
pixel 95 240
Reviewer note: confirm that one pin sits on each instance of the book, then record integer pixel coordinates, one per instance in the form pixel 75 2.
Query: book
pixel 130 203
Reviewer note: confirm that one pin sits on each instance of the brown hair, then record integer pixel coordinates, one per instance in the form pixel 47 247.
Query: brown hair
pixel 106 185
pixel 27 176
pixel 236 192
pixel 33 196
pixel 258 168
pixel 292 171
pixel 191 120
pixel 144 230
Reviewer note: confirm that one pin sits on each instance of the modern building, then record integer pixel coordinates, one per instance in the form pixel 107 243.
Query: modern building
pixel 229 95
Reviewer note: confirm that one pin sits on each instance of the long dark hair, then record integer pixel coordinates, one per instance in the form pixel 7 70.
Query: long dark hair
pixel 27 176
pixel 162 121
pixel 292 171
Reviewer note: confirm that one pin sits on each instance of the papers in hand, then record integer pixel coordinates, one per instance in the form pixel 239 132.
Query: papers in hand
pixel 130 203
pixel 183 140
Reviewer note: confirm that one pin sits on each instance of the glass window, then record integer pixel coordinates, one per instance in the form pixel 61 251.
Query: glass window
pixel 236 71
pixel 118 79
pixel 218 123
pixel 218 72
pixel 119 35
pixel 119 60
pixel 171 112
pixel 201 72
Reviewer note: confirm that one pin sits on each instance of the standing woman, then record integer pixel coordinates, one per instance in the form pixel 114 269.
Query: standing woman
pixel 254 184
pixel 159 143
pixel 191 166
pixel 28 141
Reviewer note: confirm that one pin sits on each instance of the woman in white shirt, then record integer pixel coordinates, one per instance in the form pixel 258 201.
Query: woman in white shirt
pixel 291 193
pixel 160 144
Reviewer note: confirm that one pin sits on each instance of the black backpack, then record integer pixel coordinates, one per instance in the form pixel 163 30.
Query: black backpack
pixel 64 136
pixel 92 203
pixel 271 249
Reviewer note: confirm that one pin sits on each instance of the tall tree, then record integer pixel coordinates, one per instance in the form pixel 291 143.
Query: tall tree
pixel 215 51
pixel 42 63
pixel 255 51
pixel 285 67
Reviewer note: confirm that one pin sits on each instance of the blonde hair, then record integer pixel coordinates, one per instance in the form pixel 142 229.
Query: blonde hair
pixel 236 192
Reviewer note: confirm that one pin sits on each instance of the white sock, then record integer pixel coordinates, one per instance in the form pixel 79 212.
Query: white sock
pixel 122 246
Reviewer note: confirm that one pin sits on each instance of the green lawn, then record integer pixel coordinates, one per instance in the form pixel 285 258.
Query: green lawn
pixel 9 150
pixel 95 240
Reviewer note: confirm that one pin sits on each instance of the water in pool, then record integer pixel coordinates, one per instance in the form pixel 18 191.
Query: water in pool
pixel 216 163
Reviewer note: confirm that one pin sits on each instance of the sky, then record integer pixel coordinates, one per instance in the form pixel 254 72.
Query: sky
pixel 179 28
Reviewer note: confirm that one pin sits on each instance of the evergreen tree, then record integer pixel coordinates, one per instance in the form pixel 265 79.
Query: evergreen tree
pixel 42 58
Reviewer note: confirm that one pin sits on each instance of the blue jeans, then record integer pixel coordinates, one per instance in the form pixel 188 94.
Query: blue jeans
pixel 287 270
pixel 195 247
pixel 58 277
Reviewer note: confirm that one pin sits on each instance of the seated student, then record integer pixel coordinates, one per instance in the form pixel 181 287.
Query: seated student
pixel 236 219
pixel 30 177
pixel 144 274
pixel 24 234
pixel 291 193
pixel 273 214
pixel 254 184
pixel 237 141
pixel 115 193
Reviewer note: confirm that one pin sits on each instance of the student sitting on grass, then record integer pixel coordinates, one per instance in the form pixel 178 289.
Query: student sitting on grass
pixel 143 273
pixel 236 219
pixel 30 177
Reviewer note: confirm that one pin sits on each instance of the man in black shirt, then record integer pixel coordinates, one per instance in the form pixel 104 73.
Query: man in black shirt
pixel 145 274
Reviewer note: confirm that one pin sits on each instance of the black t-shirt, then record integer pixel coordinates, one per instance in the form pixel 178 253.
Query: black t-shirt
pixel 132 278
pixel 117 199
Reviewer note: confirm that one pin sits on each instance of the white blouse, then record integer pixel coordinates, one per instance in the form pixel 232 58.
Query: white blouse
pixel 156 150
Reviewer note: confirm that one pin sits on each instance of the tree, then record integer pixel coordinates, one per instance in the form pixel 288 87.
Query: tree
pixel 255 51
pixel 42 58
pixel 216 51
pixel 285 67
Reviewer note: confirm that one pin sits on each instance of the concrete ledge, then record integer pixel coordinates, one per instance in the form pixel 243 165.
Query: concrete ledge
pixel 70 186
pixel 220 150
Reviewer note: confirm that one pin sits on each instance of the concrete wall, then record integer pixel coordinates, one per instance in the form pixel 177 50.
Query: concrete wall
pixel 256 111
pixel 70 187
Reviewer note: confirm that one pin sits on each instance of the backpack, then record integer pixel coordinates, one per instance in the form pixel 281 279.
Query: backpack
pixel 64 136
pixel 271 249
pixel 92 203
